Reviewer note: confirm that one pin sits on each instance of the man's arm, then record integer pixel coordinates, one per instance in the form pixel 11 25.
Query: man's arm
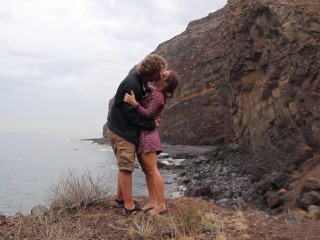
pixel 135 118
pixel 131 114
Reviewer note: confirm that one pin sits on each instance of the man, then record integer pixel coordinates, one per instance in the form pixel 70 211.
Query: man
pixel 124 125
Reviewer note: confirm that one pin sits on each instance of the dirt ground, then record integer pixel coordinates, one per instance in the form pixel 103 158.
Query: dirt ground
pixel 186 218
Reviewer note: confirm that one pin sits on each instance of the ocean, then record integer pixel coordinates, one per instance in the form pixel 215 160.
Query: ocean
pixel 31 163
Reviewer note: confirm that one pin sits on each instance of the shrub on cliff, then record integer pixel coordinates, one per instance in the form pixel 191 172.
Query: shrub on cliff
pixel 78 191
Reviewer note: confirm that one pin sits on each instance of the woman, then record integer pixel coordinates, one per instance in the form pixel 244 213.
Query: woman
pixel 150 144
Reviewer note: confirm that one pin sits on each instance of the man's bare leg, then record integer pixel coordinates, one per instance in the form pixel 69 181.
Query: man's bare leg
pixel 125 181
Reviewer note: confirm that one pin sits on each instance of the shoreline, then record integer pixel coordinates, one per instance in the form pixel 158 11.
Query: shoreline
pixel 172 149
pixel 26 206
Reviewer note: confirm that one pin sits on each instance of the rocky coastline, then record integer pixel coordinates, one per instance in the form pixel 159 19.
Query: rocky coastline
pixel 215 179
pixel 234 178
pixel 215 174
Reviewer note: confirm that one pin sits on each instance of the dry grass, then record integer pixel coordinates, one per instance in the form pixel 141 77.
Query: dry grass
pixel 184 224
pixel 219 225
pixel 78 191
pixel 143 225
pixel 187 223
pixel 186 219
pixel 37 229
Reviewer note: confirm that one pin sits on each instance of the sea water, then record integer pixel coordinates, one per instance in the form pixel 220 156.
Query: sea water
pixel 32 163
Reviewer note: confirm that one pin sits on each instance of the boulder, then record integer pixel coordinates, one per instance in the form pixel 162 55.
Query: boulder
pixel 309 198
pixel 39 211
pixel 312 184
pixel 202 191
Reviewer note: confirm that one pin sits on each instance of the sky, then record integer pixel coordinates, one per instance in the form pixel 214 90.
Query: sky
pixel 62 60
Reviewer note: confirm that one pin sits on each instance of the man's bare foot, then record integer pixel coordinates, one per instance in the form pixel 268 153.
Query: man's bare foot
pixel 149 206
pixel 158 210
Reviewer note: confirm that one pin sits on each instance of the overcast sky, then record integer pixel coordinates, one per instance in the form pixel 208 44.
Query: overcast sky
pixel 62 60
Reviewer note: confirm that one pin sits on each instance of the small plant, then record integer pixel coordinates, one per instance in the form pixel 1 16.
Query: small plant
pixel 142 225
pixel 208 226
pixel 78 192
pixel 218 223
pixel 189 222
pixel 240 222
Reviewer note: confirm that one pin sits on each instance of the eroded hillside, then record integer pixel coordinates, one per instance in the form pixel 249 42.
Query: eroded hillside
pixel 250 74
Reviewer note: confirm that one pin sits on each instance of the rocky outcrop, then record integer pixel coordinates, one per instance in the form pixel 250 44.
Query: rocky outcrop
pixel 198 113
pixel 250 77
pixel 250 74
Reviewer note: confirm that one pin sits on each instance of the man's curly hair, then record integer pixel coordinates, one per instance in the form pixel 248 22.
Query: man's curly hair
pixel 151 64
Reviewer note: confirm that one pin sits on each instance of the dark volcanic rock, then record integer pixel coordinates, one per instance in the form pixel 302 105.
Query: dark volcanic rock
pixel 250 73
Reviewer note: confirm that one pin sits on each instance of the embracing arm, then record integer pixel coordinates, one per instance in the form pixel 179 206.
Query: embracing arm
pixel 155 105
pixel 147 124
pixel 131 114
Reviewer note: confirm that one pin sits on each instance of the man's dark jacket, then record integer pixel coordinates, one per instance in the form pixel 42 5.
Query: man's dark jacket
pixel 123 118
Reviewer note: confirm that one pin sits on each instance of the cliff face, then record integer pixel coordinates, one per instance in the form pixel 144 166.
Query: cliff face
pixel 250 77
pixel 249 74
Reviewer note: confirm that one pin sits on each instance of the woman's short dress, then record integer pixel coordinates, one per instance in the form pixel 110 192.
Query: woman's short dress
pixel 151 108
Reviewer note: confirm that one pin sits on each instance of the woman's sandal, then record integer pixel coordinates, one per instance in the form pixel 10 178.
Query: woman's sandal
pixel 128 212
pixel 120 203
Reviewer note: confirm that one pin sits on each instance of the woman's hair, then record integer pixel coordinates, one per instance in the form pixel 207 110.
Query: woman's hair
pixel 172 83
pixel 151 64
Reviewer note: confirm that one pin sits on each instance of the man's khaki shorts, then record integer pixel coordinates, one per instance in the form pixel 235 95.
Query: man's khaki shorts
pixel 124 151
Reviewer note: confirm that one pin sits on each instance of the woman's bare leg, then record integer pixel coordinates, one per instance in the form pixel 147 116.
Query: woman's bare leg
pixel 155 180
pixel 152 200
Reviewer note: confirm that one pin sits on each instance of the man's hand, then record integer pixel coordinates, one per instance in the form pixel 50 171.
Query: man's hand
pixel 157 122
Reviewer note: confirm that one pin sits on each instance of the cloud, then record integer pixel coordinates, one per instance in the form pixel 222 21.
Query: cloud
pixel 69 56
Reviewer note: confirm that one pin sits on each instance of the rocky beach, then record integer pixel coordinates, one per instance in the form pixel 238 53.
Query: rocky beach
pixel 222 201
pixel 234 178
pixel 224 175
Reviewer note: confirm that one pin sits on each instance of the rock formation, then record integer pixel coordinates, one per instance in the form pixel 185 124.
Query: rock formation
pixel 250 76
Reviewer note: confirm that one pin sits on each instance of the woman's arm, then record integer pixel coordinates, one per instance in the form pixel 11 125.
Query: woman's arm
pixel 155 105
pixel 129 112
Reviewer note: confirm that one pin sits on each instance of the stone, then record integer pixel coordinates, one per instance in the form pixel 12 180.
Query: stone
pixel 311 184
pixel 278 179
pixel 274 199
pixel 303 151
pixel 39 211
pixel 3 220
pixel 199 192
pixel 314 212
pixel 309 198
